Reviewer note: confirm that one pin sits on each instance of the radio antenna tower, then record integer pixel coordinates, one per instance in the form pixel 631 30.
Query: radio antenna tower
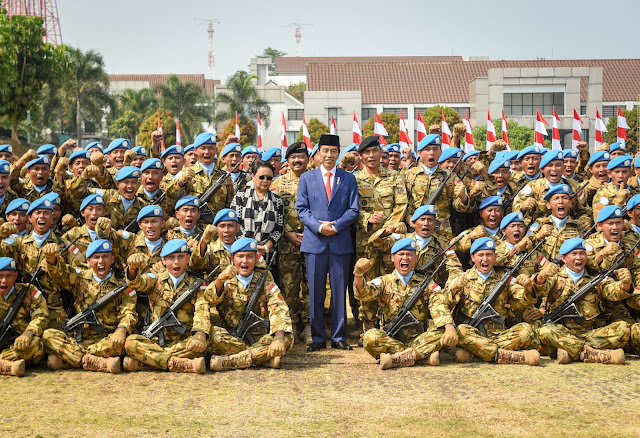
pixel 298 36
pixel 211 55
pixel 45 9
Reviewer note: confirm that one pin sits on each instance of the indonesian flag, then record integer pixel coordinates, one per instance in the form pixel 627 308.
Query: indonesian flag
pixel 403 136
pixel 36 293
pixel 284 136
pixel 446 133
pixel 555 132
pixel 306 138
pixel 131 292
pixel 541 131
pixel 421 128
pixel 491 131
pixel 357 132
pixel 160 129
pixel 469 141
pixel 505 128
pixel 600 128
pixel 237 127
pixel 622 128
pixel 378 127
pixel 74 249
pixel 577 129
pixel 260 133
pixel 178 133
pixel 333 129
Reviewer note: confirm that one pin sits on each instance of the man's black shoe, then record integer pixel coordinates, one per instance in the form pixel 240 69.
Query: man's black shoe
pixel 341 345
pixel 316 346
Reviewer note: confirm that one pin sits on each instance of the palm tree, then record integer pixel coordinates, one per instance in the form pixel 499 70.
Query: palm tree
pixel 243 98
pixel 142 102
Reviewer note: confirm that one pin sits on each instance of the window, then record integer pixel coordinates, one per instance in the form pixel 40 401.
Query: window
pixel 295 114
pixel 525 104
pixel 609 111
pixel 367 113
pixel 333 111
pixel 291 137
pixel 397 111
pixel 460 110
pixel 583 108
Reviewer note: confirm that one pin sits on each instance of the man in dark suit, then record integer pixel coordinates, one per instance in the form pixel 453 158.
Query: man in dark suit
pixel 327 204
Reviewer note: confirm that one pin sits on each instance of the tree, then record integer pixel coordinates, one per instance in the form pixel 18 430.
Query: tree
pixel 611 136
pixel 316 129
pixel 248 130
pixel 126 126
pixel 186 101
pixel 272 54
pixel 150 124
pixel 34 64
pixel 131 110
pixel 297 90
pixel 391 122
pixel 433 116
pixel 243 97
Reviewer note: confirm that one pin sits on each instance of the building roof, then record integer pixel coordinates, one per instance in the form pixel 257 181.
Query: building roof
pixel 448 82
pixel 157 79
pixel 298 64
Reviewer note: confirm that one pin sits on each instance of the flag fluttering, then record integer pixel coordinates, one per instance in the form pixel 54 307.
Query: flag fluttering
pixel 446 133
pixel 283 137
pixel 403 135
pixel 237 127
pixel 159 128
pixel 333 129
pixel 505 128
pixel 357 132
pixel 469 141
pixel 577 130
pixel 260 133
pixel 622 128
pixel 600 128
pixel 491 132
pixel 540 130
pixel 556 145
pixel 178 133
pixel 306 138
pixel 421 129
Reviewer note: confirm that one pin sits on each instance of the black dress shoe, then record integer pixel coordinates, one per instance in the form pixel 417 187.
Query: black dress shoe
pixel 316 346
pixel 341 345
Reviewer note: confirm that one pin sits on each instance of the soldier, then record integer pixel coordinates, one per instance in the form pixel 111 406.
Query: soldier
pixel 500 180
pixel 529 159
pixel 211 252
pixel 16 213
pixel 6 153
pixel 231 291
pixel 31 320
pixel 190 157
pixel 55 200
pixel 122 205
pixel 599 174
pixel 115 153
pixel 314 158
pixel 583 340
pixel 384 157
pixel 231 155
pixel 633 212
pixel 139 157
pixel 273 156
pixel 94 146
pixel 6 193
pixel 466 292
pixel 39 182
pixel 570 164
pixel 182 353
pixel 617 149
pixel 249 155
pixel 395 156
pixel 78 161
pixel 491 213
pixel 150 179
pixel 96 351
pixel 617 191
pixel 173 161
pixel 188 214
pixel 206 173
pixel 516 241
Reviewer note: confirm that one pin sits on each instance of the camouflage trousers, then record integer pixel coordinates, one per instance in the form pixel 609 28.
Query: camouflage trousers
pixel 614 335
pixel 377 341
pixel 33 353
pixel 519 337
pixel 69 350
pixel 293 278
pixel 368 311
pixel 57 315
pixel 147 351
pixel 634 337
pixel 222 343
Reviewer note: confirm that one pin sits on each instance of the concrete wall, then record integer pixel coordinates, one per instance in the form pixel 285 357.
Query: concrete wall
pixel 317 103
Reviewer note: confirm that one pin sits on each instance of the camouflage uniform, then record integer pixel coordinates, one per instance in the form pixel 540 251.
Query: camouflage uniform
pixel 201 182
pixel 26 189
pixel 177 233
pixel 551 246
pixel 33 315
pixel 390 293
pixel 9 196
pixel 606 195
pixel 76 255
pixel 538 189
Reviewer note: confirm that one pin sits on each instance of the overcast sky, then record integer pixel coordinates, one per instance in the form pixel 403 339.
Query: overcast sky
pixel 161 36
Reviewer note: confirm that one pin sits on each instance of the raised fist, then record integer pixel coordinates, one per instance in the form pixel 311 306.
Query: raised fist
pixel 544 232
pixel 69 221
pixel 582 146
pixel 228 273
pixel 459 190
pixel 479 168
pixel 499 145
pixel 525 281
pixel 549 270
pixel 621 197
pixel 594 185
pixel 584 222
pixel 97 158
pixel 91 171
pixel 399 228
pixel 171 223
pixel 210 233
pixel 459 130
pixel 7 229
pixel 612 248
pixel 62 165
pixel 624 276
pixel 156 137
pixel 477 188
pixel 524 245
pixel 528 204
pixel 459 283
pixel 51 250
pixel 187 175
pixel 478 232
pixel 103 226
pixel 362 266
pixel 129 156
pixel 435 129
pixel 137 260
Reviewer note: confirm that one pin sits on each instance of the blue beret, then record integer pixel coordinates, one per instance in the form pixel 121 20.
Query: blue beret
pixel 189 148
pixel 231 147
pixel 560 188
pixel 422 210
pixel 313 151
pixel 499 162
pixel 544 150
pixel 384 148
pixel 406 244
pixel 191 201
pixel 40 204
pixel 489 201
pixel 173 150
pixel 18 204
pixel 5 167
pixel 205 138
pixel 633 202
pixel 149 211
pixel 470 154
pixel 429 139
pixel 226 214
pixel 512 155
pixel 173 246
pixel 413 154
pixel 78 154
pixel 98 246
pixel 569 153
pixel 599 156
pixel 140 150
pixel 151 164
pixel 537 150
pixel 118 143
pixel 352 147
pixel 636 162
pixel 244 244
pixel 450 152
pixel 53 197
pixel 393 147
pixel 482 243
pixel 42 159
pixel 46 149
pixel 572 244
pixel 6 148
pixel 620 161
pixel 128 172
pixel 250 150
pixel 516 216
pixel 93 199
pixel 615 146
pixel 7 264
pixel 609 212
pixel 270 153
pixel 93 144
pixel 551 156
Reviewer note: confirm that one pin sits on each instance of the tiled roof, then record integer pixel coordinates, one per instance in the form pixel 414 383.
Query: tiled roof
pixel 154 79
pixel 448 82
pixel 298 64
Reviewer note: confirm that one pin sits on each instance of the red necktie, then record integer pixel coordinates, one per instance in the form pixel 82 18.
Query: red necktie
pixel 328 186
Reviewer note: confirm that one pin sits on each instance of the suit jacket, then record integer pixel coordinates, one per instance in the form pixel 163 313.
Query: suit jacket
pixel 312 206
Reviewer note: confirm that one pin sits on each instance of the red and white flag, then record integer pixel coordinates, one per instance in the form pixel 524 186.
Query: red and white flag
pixel 446 133
pixel 357 132
pixel 541 131
pixel 555 132
pixel 378 127
pixel 505 128
pixel 577 129
pixel 260 133
pixel 491 132
pixel 421 129
pixel 178 133
pixel 469 141
pixel 622 129
pixel 600 128
pixel 159 128
pixel 283 137
pixel 333 129
pixel 403 136
pixel 306 138
pixel 237 127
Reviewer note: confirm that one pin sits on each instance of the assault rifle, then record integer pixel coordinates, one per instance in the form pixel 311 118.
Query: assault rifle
pixel 157 202
pixel 510 200
pixel 169 319
pixel 7 332
pixel 438 191
pixel 206 214
pixel 424 269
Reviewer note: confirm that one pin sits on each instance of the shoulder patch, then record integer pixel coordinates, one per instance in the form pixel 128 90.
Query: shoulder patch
pixel 376 282
pixel 604 201
pixel 151 274
pixel 527 190
pixel 125 234
pixel 78 270
pixel 99 192
pixel 8 241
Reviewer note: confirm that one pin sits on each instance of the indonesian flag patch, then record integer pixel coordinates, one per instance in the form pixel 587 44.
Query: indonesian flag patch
pixel 450 252
pixel 74 249
pixel 581 195
pixel 131 292
pixel 542 260
pixel 36 293
pixel 273 288
pixel 638 253
pixel 203 286
pixel 512 280
pixel 435 287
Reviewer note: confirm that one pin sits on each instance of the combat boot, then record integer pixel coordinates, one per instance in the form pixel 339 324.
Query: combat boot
pixel 463 356
pixel 524 357
pixel 563 356
pixel 54 363
pixel 406 358
pixel 130 364
pixel 12 368
pixel 593 355
pixel 182 365
pixel 433 359
pixel 274 362
pixel 232 362
pixel 306 334
pixel 101 364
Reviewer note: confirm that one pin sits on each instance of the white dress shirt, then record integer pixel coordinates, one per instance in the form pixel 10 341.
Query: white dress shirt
pixel 332 181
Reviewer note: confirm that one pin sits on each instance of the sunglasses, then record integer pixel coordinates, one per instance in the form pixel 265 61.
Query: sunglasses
pixel 263 177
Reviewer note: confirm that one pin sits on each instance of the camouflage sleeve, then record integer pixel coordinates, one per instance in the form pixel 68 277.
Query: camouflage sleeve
pixel 204 263
pixel 464 244
pixel 212 296
pixel 612 290
pixel 371 291
pixel 128 316
pixel 458 205
pixel 453 264
pixel 634 300
pixel 59 273
pixel 600 200
pixel 591 255
pixel 106 180
pixel 439 309
pixel 201 317
pixel 400 202
pixel 520 298
pixel 279 318
pixel 38 310
pixel 520 197
pixel 450 298
pixel 143 282
pixel 229 192
pixel 10 247
pixel 582 163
